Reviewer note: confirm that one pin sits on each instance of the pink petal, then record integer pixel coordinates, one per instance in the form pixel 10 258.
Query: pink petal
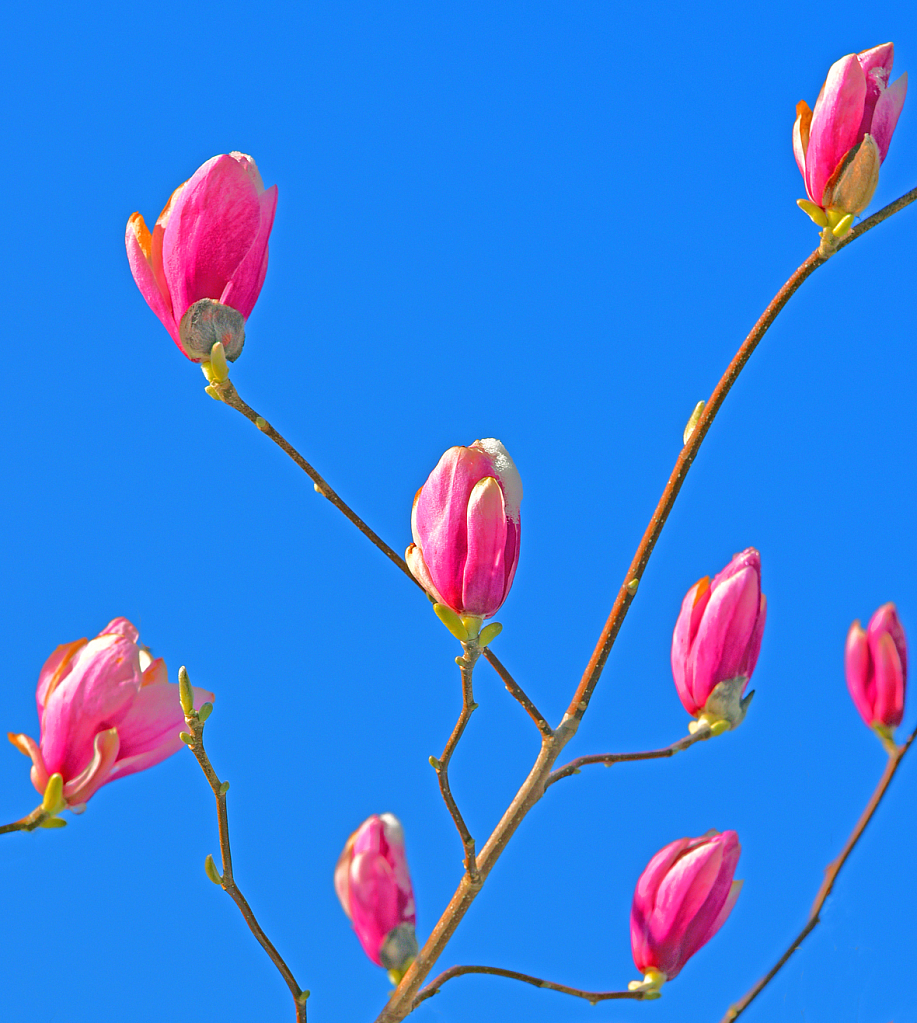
pixel 724 634
pixel 858 669
pixel 55 669
pixel 96 772
pixel 414 558
pixel 835 122
pixel 747 665
pixel 889 686
pixel 689 618
pixel 484 584
pixel 710 916
pixel 798 148
pixel 142 269
pixel 243 290
pixel 39 773
pixel 885 116
pixel 439 519
pixel 94 696
pixel 882 56
pixel 212 224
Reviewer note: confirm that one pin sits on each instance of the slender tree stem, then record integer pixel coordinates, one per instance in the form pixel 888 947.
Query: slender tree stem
pixel 228 882
pixel 619 758
pixel 831 873
pixel 466 665
pixel 34 820
pixel 230 396
pixel 593 671
pixel 532 789
pixel 517 692
pixel 593 997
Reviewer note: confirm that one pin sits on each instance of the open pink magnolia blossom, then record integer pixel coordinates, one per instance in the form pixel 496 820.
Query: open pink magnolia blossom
pixel 876 666
pixel 373 883
pixel 717 639
pixel 202 267
pixel 465 523
pixel 682 899
pixel 101 716
pixel 841 143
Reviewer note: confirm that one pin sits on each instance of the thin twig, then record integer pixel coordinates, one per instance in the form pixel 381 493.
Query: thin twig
pixel 34 820
pixel 532 789
pixel 230 396
pixel 831 873
pixel 466 665
pixel 592 997
pixel 517 692
pixel 619 758
pixel 228 882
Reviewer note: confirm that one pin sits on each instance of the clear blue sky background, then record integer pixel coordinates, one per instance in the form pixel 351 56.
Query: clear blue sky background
pixel 552 223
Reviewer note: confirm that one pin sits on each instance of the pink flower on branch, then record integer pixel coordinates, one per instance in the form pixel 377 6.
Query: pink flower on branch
pixel 373 883
pixel 202 267
pixel 876 666
pixel 101 716
pixel 716 642
pixel 682 899
pixel 465 523
pixel 841 143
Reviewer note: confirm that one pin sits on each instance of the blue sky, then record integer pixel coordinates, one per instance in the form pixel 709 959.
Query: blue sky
pixel 549 223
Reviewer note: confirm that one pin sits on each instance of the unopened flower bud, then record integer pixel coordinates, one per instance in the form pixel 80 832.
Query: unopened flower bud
pixel 207 322
pixel 841 143
pixel 465 522
pixel 372 881
pixel 682 899
pixel 876 666
pixel 716 641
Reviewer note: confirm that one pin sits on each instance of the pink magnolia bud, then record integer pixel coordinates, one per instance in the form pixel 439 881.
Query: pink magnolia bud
pixel 717 638
pixel 682 899
pixel 101 716
pixel 210 242
pixel 465 523
pixel 373 883
pixel 876 667
pixel 854 106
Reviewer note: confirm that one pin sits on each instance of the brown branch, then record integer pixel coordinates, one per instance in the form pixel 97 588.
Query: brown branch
pixel 517 692
pixel 34 820
pixel 532 789
pixel 593 997
pixel 230 396
pixel 228 882
pixel 593 671
pixel 831 874
pixel 466 665
pixel 619 758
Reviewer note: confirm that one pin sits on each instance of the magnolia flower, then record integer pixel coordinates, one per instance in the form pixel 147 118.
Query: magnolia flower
pixel 717 639
pixel 682 899
pixel 840 145
pixel 876 666
pixel 101 716
pixel 465 522
pixel 373 883
pixel 202 267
